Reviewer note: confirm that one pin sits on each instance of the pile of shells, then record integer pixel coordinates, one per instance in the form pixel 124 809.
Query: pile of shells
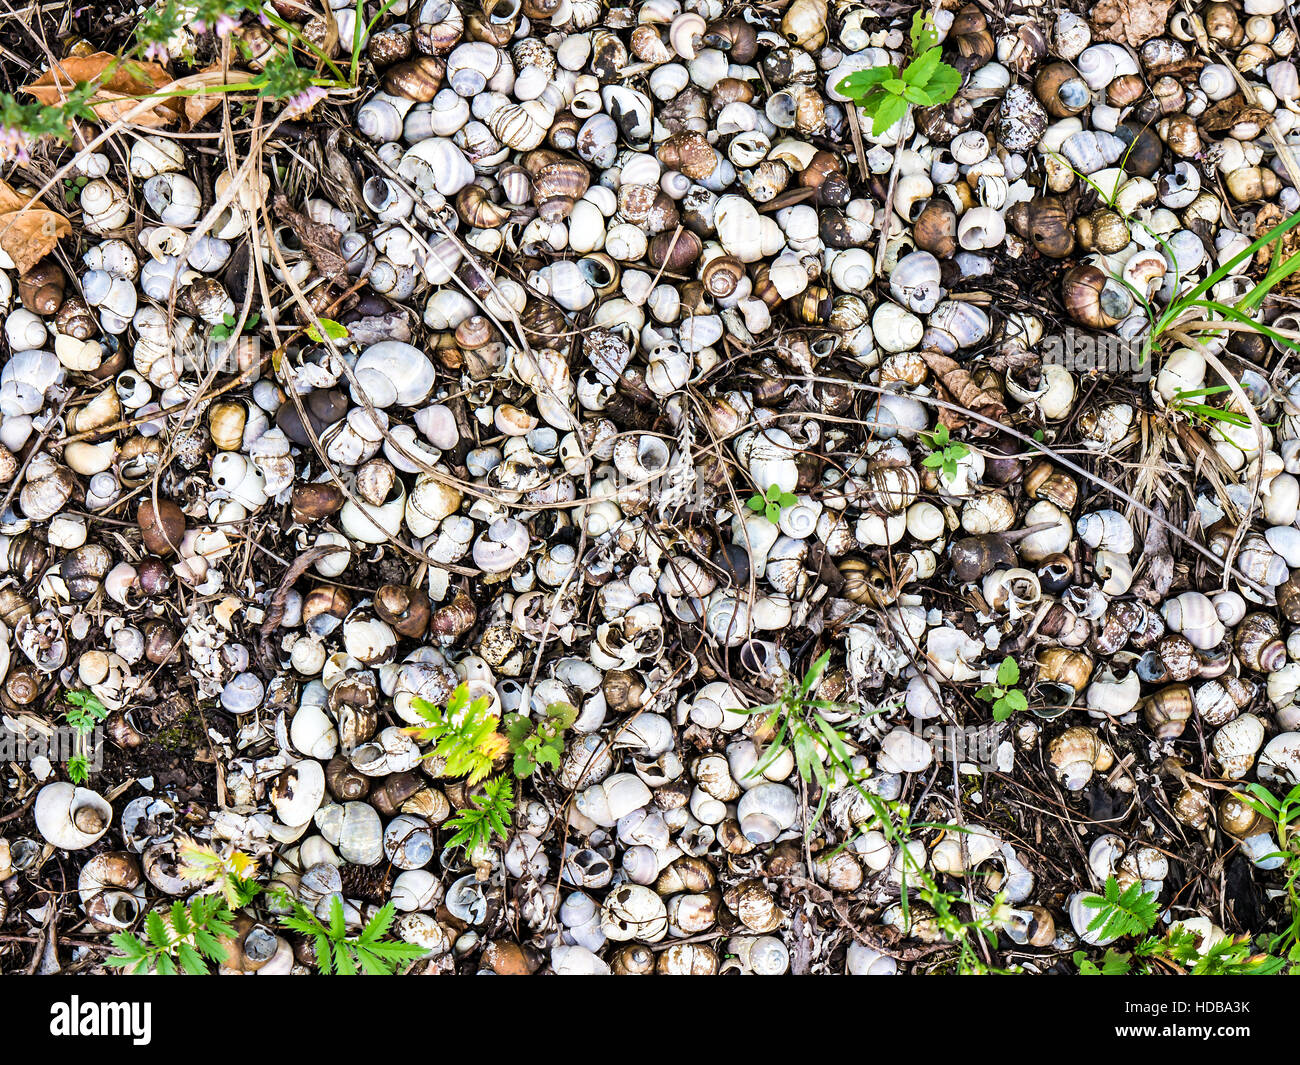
pixel 605 273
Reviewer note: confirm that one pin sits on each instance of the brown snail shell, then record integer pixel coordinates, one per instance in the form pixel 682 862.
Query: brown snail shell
pixel 1125 90
pixel 1060 90
pixel 730 91
pixel 416 79
pixel 405 609
pixel 1168 710
pixel 1178 657
pixel 1145 151
pixel 41 288
pixel 813 305
pixel 75 319
pixel 395 790
pixel 690 153
pixel 974 556
pixel 1288 598
pixel 450 622
pixel 1049 227
pixel 1064 665
pixel 475 208
pixel 1253 183
pixel 1192 807
pixel 557 186
pixel 1258 644
pixel 1104 230
pixel 734 36
pixel 976 49
pixel 312 502
pixel 226 421
pixel 160 642
pixel 825 173
pixel 22 686
pixel 936 228
pixel 1179 132
pixel 1046 481
pixel 1222 24
pixel 390 45
pixel 1239 818
pixel 674 252
pixel 1042 928
pixel 1081 290
pixel 635 959
pixel 722 275
pixel 324 600
pixel 162 525
pixel 345 784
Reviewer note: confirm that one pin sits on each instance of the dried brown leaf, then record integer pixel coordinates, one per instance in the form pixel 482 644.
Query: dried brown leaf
pixel 962 390
pixel 1227 113
pixel 122 90
pixel 300 565
pixel 321 242
pixel 28 234
pixel 1132 22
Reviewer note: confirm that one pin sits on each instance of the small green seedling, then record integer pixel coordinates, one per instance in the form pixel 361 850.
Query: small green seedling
pixel 72 189
pixel 945 452
pixel 85 712
pixel 338 953
pixel 798 726
pixel 464 735
pixel 1134 912
pixel 772 502
pixel 1003 693
pixel 534 743
pixel 223 329
pixel 185 940
pixel 885 92
pixel 475 826
pixel 232 875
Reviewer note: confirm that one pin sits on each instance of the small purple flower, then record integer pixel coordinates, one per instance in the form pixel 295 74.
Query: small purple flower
pixel 302 103
pixel 156 51
pixel 226 25
pixel 13 144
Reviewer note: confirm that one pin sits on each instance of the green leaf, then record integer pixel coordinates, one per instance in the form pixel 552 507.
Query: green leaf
pixel 860 82
pixel 923 33
pixel 157 930
pixel 1113 963
pixel 919 71
pixel 914 94
pixel 815 672
pixel 933 460
pixel 894 86
pixel 78 769
pixel 756 503
pixel 1016 700
pixel 334 330
pixel 943 84
pixel 190 960
pixel 1008 672
pixel 891 109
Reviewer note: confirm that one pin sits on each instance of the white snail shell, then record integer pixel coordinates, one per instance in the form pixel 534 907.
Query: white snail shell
pixel 69 817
